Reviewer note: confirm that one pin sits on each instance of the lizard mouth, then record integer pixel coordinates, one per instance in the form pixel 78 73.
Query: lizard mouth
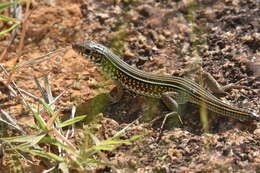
pixel 87 52
pixel 81 49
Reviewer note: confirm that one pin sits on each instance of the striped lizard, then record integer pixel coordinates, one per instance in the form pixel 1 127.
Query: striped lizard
pixel 173 91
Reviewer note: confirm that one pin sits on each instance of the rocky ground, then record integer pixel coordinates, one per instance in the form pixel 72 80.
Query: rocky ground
pixel 162 37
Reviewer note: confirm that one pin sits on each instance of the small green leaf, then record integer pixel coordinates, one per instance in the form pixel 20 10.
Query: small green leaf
pixel 39 120
pixel 97 162
pixel 31 138
pixel 104 147
pixel 27 141
pixel 122 132
pixel 8 4
pixel 33 142
pixel 9 29
pixel 134 138
pixel 48 107
pixel 113 142
pixel 71 121
pixel 7 19
pixel 32 125
pixel 46 155
pixel 58 144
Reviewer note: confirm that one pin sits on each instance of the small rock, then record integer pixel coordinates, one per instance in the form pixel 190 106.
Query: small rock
pixel 257 132
pixel 146 10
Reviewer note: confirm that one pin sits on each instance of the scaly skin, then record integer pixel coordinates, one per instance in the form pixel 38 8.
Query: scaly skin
pixel 178 90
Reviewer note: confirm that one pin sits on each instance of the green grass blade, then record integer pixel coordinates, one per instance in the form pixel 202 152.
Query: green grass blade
pixel 93 161
pixel 48 107
pixel 7 19
pixel 27 141
pixel 46 155
pixel 23 138
pixel 59 144
pixel 134 138
pixel 31 143
pixel 9 29
pixel 8 4
pixel 71 121
pixel 104 147
pixel 115 141
pixel 41 124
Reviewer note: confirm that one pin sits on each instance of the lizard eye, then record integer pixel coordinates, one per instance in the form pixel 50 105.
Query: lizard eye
pixel 87 51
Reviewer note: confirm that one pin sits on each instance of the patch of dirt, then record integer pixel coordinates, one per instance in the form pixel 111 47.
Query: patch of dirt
pixel 163 37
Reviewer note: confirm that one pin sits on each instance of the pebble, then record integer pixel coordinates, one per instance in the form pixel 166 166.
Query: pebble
pixel 257 132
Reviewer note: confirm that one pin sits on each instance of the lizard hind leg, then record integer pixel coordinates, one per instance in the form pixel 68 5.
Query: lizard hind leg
pixel 210 82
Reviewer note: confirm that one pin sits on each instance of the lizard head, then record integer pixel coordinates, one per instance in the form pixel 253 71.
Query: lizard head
pixel 90 49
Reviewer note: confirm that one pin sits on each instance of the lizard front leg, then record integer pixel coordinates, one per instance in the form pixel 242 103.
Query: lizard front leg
pixel 172 101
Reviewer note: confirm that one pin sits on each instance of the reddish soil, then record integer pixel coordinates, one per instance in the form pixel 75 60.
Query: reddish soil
pixel 163 37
